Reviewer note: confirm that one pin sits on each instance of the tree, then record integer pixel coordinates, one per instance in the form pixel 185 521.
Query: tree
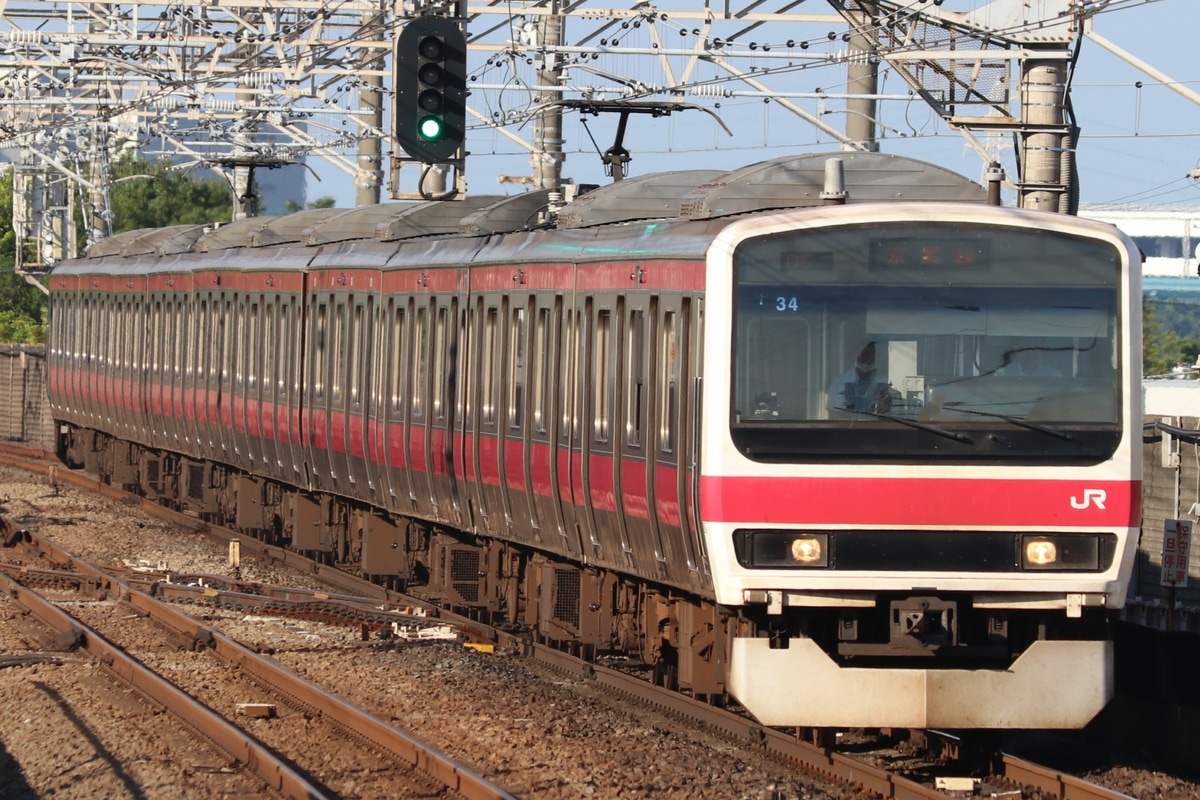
pixel 23 309
pixel 151 194
pixel 320 202
pixel 1162 348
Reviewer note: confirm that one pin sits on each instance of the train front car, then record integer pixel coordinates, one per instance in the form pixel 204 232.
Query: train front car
pixel 921 479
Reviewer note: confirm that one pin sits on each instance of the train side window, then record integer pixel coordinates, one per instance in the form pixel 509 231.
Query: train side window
pixel 668 382
pixel 490 335
pixel 602 375
pixel 539 374
pixel 516 368
pixel 635 355
pixel 284 347
pixel 573 332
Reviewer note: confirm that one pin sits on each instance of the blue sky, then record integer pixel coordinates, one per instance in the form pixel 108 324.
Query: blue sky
pixel 1138 143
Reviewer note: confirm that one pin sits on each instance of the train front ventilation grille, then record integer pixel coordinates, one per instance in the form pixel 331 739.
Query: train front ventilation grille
pixel 566 596
pixel 195 483
pixel 464 574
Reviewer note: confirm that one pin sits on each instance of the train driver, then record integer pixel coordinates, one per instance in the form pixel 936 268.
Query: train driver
pixel 862 389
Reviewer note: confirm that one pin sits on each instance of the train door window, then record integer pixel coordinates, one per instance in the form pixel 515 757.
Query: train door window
pixel 139 354
pixel 106 347
pixel 340 348
pixel 166 343
pixel 253 348
pixel 157 348
pixel 190 331
pixel 539 374
pixel 635 376
pixel 398 361
pixel 204 345
pixel 241 345
pixel 224 333
pixel 269 343
pixel 113 312
pixel 354 349
pixel 131 320
pixel 490 335
pixel 154 355
pixel 421 349
pixel 284 347
pixel 602 376
pixel 94 324
pixel 319 348
pixel 516 368
pixel 126 355
pixel 117 356
pixel 441 350
pixel 572 347
pixel 171 315
pixel 180 336
pixel 668 382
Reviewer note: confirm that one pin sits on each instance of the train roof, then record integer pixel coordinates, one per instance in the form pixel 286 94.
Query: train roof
pixel 690 195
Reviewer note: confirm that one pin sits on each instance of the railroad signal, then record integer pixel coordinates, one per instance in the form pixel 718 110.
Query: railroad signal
pixel 431 89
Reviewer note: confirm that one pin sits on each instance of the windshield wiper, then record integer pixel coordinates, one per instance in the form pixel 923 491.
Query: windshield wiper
pixel 912 423
pixel 1020 423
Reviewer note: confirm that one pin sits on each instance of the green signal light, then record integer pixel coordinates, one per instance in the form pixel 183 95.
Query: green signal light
pixel 430 128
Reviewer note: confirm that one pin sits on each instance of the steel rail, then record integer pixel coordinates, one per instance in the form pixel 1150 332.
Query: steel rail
pixel 414 752
pixel 241 745
pixel 1061 785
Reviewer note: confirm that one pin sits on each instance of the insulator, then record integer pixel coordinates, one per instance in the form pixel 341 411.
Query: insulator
pixel 711 90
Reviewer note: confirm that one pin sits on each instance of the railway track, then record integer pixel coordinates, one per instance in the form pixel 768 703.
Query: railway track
pixel 363 598
pixel 434 771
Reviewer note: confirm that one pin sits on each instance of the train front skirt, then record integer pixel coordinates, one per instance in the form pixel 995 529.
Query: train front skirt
pixel 1053 684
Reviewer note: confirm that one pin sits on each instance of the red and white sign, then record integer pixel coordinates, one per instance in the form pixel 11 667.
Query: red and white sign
pixel 1177 546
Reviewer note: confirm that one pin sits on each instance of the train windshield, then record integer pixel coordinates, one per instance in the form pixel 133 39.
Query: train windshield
pixel 945 342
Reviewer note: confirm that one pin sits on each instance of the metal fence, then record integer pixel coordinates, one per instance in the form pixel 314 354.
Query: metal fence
pixel 24 409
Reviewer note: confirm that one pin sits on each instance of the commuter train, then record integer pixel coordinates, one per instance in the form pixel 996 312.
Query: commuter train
pixel 856 453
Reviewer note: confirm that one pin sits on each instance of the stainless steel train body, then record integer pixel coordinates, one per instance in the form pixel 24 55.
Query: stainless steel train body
pixel 639 430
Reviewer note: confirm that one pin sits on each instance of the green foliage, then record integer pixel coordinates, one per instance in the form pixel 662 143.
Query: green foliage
pixel 164 196
pixel 21 329
pixel 320 202
pixel 1169 335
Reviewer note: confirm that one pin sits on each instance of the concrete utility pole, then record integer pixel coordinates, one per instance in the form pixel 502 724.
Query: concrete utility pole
pixel 1047 150
pixel 368 174
pixel 862 85
pixel 547 155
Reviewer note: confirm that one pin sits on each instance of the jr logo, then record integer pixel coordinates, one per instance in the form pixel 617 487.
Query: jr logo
pixel 1090 497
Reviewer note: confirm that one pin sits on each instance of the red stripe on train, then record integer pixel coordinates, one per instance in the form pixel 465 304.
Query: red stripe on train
pixel 920 501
